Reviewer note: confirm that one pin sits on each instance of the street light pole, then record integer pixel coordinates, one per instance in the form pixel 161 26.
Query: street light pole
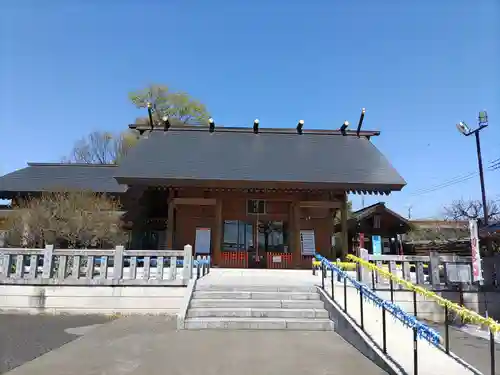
pixel 465 130
pixel 481 178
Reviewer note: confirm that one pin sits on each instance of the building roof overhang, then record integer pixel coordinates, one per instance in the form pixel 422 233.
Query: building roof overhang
pixel 227 157
pixel 239 157
pixel 43 177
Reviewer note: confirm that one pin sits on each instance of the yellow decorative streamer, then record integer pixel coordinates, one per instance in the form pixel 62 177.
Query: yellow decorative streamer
pixel 345 266
pixel 465 314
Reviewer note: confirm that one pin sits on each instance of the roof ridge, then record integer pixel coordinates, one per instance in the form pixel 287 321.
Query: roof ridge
pixel 368 207
pixel 37 164
pixel 244 129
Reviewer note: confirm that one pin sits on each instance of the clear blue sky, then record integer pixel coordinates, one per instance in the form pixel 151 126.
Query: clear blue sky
pixel 418 67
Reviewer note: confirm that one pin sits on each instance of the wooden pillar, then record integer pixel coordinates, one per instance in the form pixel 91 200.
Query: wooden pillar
pixel 170 224
pixel 333 213
pixel 217 232
pixel 291 231
pixel 343 223
pixel 297 253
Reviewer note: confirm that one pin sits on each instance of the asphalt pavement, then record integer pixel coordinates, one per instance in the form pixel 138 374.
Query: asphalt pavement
pixel 26 337
pixel 152 345
pixel 138 343
pixel 472 349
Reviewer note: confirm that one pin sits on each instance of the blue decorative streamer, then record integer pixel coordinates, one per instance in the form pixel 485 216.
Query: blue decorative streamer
pixel 201 261
pixel 423 331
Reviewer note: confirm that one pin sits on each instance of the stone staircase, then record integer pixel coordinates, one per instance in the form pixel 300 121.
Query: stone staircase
pixel 257 307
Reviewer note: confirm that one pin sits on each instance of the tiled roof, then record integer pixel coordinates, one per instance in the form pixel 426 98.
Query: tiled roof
pixel 270 157
pixel 376 208
pixel 38 177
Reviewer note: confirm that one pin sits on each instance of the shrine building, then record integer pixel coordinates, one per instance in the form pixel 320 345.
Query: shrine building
pixel 249 197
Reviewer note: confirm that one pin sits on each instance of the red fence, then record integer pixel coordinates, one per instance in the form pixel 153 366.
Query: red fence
pixel 279 260
pixel 239 259
pixel 234 259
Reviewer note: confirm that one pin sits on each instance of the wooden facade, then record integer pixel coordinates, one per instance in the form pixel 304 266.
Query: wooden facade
pixel 376 220
pixel 269 237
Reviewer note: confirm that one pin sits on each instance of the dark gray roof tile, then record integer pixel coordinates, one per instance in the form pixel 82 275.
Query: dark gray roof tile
pixel 39 177
pixel 265 157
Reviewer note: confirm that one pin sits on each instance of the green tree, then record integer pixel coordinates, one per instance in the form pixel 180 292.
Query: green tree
pixel 102 147
pixel 178 106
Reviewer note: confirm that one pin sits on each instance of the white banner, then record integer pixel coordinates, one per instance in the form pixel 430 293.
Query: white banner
pixel 477 273
pixel 202 241
pixel 307 242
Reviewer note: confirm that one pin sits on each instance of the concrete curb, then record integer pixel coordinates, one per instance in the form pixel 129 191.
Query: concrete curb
pixel 349 331
pixel 181 315
pixel 467 365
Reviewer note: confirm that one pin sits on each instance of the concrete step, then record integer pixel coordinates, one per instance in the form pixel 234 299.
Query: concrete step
pixel 258 313
pixel 256 295
pixel 256 303
pixel 255 288
pixel 260 323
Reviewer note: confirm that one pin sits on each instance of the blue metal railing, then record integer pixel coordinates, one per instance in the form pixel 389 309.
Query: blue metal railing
pixel 423 331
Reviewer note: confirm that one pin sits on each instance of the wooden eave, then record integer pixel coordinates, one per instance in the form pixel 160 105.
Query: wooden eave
pixel 263 185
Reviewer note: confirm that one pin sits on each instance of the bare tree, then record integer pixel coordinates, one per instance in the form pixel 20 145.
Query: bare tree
pixel 471 209
pixel 30 223
pixel 82 219
pixel 102 148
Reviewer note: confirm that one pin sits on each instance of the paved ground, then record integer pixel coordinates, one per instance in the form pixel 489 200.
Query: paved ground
pixel 475 350
pixel 152 345
pixel 25 337
pixel 256 277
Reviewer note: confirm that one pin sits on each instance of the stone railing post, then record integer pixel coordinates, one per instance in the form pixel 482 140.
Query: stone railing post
pixel 4 265
pixel 187 271
pixel 47 261
pixel 365 271
pixel 434 264
pixel 118 263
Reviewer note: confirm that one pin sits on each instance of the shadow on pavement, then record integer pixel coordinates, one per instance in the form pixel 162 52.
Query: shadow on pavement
pixel 26 337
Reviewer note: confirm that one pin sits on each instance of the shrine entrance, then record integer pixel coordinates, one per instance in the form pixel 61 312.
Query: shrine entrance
pixel 271 244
